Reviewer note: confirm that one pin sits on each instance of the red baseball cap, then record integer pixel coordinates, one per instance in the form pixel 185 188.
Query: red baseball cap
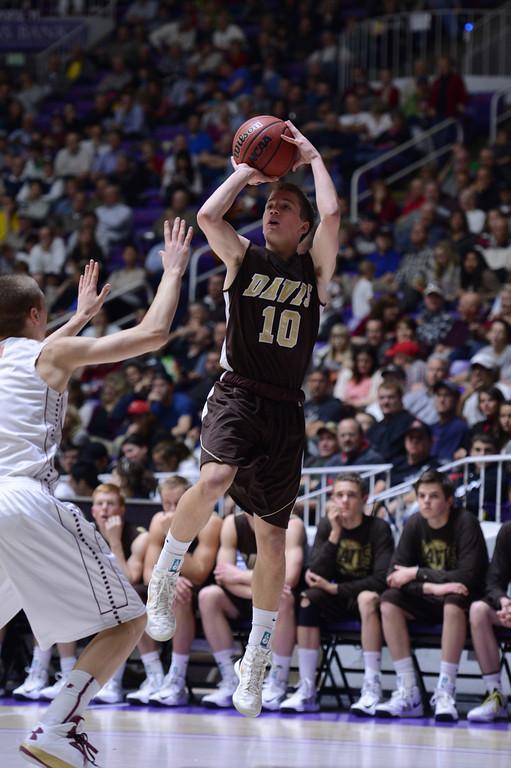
pixel 410 348
pixel 136 407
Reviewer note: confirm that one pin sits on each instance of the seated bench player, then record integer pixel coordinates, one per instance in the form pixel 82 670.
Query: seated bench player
pixel 197 570
pixel 347 570
pixel 485 615
pixel 438 567
pixel 231 599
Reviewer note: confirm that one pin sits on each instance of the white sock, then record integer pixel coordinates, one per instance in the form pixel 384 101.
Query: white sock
pixel 372 664
pixel 152 663
pixel 307 663
pixel 66 664
pixel 225 663
pixel 493 682
pixel 280 667
pixel 179 663
pixel 73 698
pixel 447 677
pixel 41 659
pixel 263 624
pixel 172 555
pixel 405 673
pixel 119 674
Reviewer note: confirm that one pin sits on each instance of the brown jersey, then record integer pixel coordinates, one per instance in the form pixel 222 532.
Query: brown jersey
pixel 272 310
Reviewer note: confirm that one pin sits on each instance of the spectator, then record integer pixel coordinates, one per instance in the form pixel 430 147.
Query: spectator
pixel 387 436
pixel 438 566
pixel 421 399
pixel 480 488
pixel 175 411
pixel 83 478
pixel 435 322
pixel 47 256
pixel 483 373
pixel 448 94
pixel 321 406
pixel 404 354
pixel 341 585
pixel 450 433
pixel 505 426
pixel 100 325
pixel 358 386
pixel 354 448
pixel 134 479
pixel 118 77
pixel 475 275
pixel 490 399
pixel 337 353
pixel 214 298
pixel 444 270
pixel 114 217
pixel 327 446
pixel 73 159
pixel 418 459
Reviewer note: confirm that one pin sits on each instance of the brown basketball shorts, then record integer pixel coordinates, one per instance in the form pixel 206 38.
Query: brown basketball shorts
pixel 427 609
pixel 265 439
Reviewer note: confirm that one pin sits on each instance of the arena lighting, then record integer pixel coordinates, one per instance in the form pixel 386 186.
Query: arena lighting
pixel 468 27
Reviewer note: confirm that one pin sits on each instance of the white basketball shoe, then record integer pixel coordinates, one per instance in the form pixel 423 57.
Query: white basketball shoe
pixel 59 746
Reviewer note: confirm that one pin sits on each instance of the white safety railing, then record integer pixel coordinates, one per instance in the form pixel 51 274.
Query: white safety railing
pixel 498 117
pixel 317 483
pixel 398 491
pixel 476 37
pixel 194 278
pixel 418 140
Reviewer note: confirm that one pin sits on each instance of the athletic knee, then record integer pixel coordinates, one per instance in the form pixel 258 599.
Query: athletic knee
pixel 271 544
pixel 287 604
pixel 215 481
pixel 479 613
pixel 453 612
pixel 209 597
pixel 368 602
pixel 389 611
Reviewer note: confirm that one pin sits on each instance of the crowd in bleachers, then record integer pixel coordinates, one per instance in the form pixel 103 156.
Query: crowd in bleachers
pixel 413 362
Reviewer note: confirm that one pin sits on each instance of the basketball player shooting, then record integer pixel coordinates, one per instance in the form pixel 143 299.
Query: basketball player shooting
pixel 252 435
pixel 53 563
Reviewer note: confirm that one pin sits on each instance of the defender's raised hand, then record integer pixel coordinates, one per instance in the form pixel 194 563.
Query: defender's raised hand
pixel 89 301
pixel 176 255
pixel 307 152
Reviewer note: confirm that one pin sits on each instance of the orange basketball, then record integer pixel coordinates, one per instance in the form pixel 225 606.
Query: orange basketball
pixel 258 143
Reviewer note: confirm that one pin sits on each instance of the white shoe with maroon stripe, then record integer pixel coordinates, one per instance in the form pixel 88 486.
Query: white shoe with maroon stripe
pixel 59 746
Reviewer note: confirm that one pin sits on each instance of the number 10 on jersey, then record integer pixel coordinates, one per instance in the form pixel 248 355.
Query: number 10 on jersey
pixel 287 329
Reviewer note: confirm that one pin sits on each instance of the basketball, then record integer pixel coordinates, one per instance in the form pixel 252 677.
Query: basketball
pixel 258 143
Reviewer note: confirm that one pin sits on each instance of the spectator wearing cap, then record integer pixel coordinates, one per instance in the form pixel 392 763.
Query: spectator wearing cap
pixel 405 354
pixel 327 446
pixel 420 400
pixel 175 411
pixel 435 321
pixel 321 406
pixel 387 436
pixel 358 386
pixel 450 432
pixel 483 373
pixel 353 447
pixel 418 459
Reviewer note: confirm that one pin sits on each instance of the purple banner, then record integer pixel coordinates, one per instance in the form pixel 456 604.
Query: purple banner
pixel 32 35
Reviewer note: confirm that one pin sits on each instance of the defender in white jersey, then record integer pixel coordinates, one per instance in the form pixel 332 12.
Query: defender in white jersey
pixel 53 563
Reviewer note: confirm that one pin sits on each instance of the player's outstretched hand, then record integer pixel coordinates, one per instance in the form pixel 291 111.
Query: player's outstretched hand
pixel 89 300
pixel 307 152
pixel 176 255
pixel 253 175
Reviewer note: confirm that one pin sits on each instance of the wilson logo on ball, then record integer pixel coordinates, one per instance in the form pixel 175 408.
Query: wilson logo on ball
pixel 244 136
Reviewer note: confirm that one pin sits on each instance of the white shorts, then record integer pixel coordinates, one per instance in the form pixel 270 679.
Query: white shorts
pixel 57 567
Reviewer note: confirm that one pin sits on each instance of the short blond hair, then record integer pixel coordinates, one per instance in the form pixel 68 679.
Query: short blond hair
pixel 109 488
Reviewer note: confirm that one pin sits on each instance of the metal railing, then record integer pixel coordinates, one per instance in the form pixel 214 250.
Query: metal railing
pixel 313 500
pixel 194 278
pixel 397 491
pixel 419 139
pixel 496 117
pixel 475 38
pixel 62 46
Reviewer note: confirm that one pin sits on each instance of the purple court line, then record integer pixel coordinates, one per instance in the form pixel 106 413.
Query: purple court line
pixel 328 717
pixel 285 740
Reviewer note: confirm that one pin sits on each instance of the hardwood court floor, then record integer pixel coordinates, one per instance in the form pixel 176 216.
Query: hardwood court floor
pixel 194 738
